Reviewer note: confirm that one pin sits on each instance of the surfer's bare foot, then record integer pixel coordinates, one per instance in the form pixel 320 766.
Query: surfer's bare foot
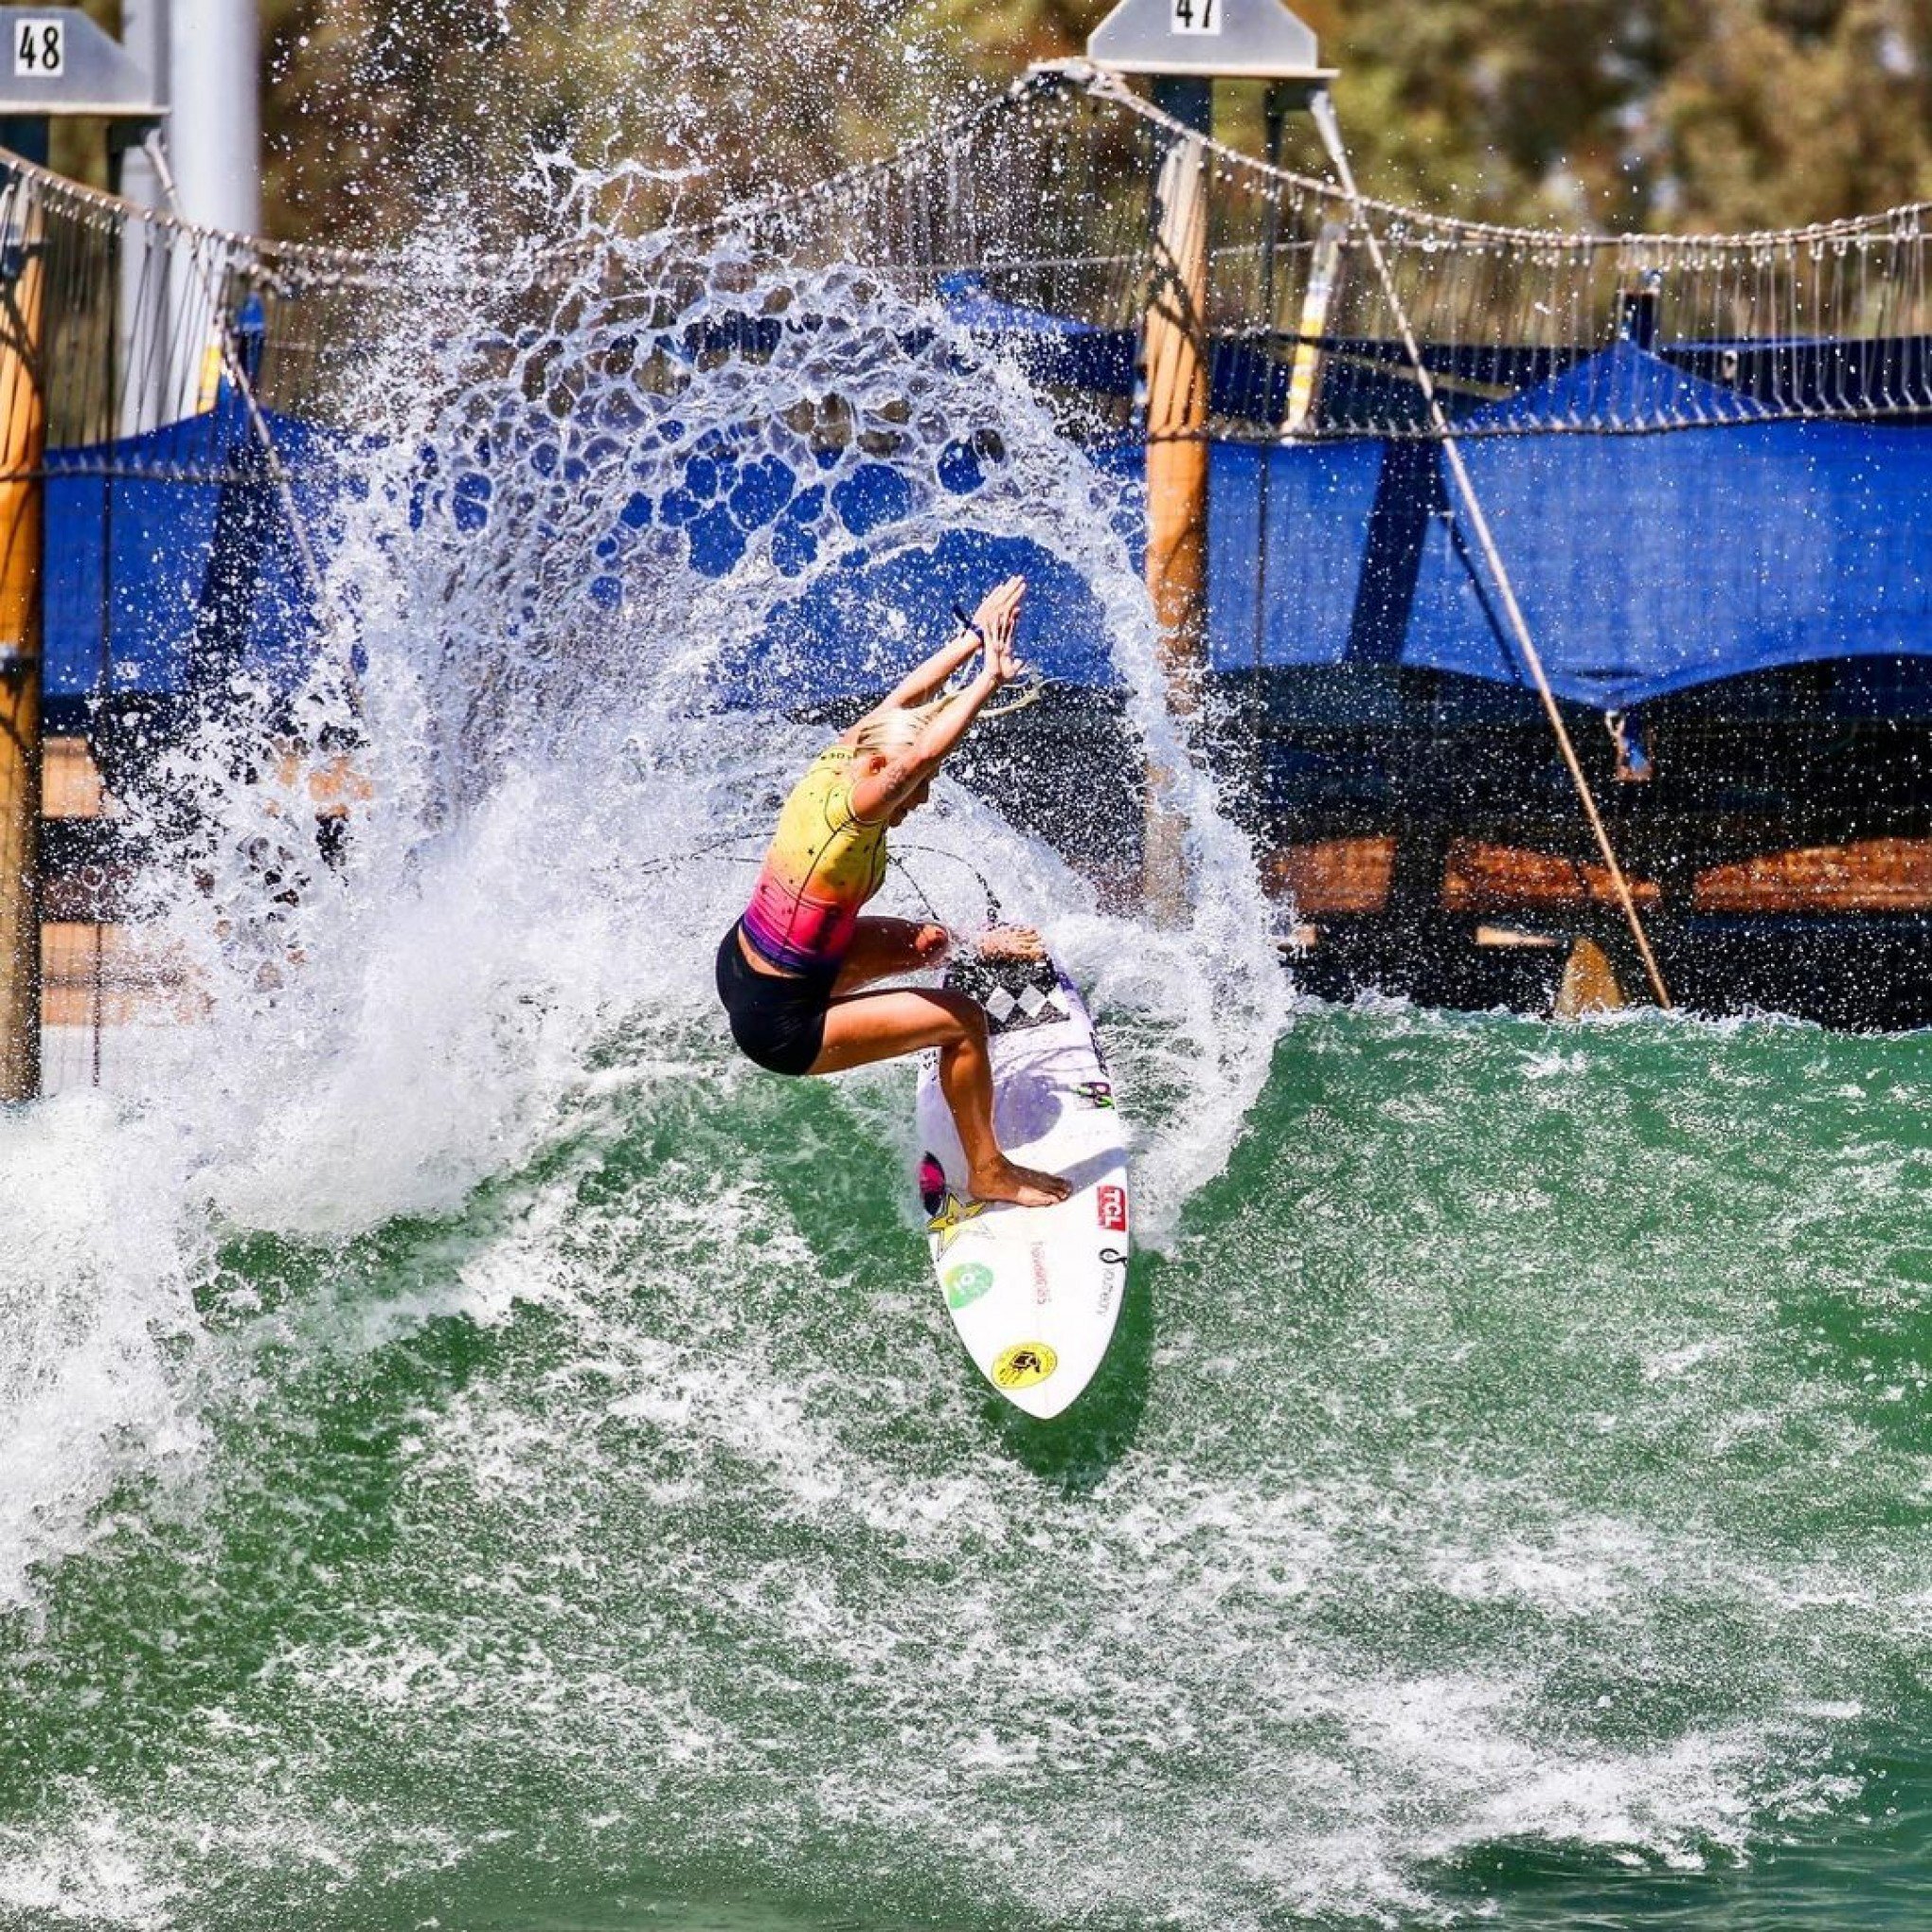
pixel 1010 942
pixel 1024 1186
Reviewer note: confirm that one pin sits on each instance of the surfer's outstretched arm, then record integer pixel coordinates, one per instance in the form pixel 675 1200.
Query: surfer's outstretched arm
pixel 899 780
pixel 923 680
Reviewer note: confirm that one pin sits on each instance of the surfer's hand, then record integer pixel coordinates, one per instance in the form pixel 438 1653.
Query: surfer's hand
pixel 998 617
pixel 1000 606
pixel 998 666
pixel 932 943
pixel 1010 942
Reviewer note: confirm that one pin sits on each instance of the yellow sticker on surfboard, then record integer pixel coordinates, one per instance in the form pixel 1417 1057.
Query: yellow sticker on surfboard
pixel 953 1215
pixel 1024 1365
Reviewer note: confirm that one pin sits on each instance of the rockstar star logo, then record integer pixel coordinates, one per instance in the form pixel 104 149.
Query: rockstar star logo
pixel 953 1215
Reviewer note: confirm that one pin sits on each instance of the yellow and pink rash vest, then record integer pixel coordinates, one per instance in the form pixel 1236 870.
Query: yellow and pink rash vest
pixel 820 868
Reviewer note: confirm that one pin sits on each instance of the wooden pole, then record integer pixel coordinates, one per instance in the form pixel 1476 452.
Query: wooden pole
pixel 23 445
pixel 1175 365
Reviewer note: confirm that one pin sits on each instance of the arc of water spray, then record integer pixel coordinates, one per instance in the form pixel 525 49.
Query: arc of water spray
pixel 1322 109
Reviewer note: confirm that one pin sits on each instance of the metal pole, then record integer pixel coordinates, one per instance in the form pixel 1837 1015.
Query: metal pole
pixel 214 137
pixel 146 311
pixel 1322 108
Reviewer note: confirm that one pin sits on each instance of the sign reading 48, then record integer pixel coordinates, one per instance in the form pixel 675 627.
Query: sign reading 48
pixel 40 49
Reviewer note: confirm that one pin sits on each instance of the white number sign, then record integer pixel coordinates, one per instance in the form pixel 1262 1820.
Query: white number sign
pixel 40 49
pixel 1195 16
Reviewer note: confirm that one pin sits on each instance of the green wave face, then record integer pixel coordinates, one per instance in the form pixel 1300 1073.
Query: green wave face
pixel 1504 1504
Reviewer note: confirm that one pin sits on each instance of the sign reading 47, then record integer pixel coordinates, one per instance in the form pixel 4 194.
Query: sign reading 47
pixel 1196 16
pixel 40 49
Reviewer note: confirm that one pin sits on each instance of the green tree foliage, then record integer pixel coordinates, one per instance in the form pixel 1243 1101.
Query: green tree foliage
pixel 373 112
pixel 1702 114
pixel 1792 110
pixel 1681 114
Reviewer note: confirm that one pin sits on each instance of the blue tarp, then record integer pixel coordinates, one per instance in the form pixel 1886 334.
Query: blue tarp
pixel 170 549
pixel 1693 558
pixel 1622 386
pixel 1645 564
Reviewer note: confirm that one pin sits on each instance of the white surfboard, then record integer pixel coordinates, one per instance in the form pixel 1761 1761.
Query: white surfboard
pixel 1034 1292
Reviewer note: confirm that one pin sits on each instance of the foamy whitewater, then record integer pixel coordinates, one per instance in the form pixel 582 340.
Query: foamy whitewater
pixel 477 1453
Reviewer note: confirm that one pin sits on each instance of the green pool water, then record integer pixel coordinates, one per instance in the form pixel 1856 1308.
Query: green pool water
pixel 1506 1503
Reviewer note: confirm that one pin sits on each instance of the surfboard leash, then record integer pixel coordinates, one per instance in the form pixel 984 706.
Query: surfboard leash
pixel 993 906
pixel 671 861
pixel 717 846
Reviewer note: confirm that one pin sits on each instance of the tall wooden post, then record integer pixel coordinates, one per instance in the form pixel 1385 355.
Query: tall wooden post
pixel 23 445
pixel 1175 365
pixel 1183 45
pixel 1178 390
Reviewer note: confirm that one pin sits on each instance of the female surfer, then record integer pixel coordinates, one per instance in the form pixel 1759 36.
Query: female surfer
pixel 790 972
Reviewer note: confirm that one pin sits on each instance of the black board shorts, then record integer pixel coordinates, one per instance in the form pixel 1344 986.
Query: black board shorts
pixel 778 1022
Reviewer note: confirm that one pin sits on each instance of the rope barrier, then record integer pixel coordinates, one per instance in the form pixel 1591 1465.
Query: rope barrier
pixel 1103 84
pixel 1032 193
pixel 110 214
pixel 1322 108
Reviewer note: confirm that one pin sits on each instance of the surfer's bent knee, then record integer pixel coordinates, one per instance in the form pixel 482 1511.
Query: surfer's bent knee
pixel 966 1013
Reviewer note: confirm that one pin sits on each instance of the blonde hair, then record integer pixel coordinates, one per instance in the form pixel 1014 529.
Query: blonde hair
pixel 894 732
